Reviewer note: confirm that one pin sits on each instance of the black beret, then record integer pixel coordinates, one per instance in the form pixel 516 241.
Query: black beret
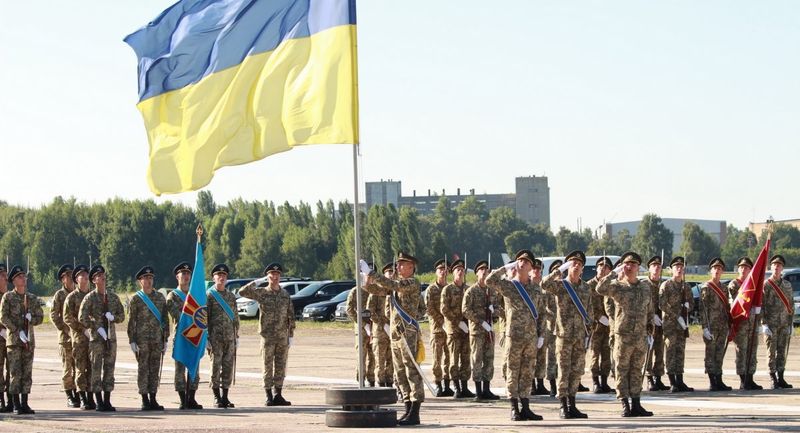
pixel 220 268
pixel 537 263
pixel 555 265
pixel 744 261
pixel 404 256
pixel 654 260
pixel 77 271
pixel 274 267
pixel 456 264
pixel 604 260
pixel 98 269
pixel 63 270
pixel 716 261
pixel 15 270
pixel 630 256
pixel 777 258
pixel 3 267
pixel 480 264
pixel 438 263
pixel 677 260
pixel 388 267
pixel 145 271
pixel 576 255
pixel 524 255
pixel 182 266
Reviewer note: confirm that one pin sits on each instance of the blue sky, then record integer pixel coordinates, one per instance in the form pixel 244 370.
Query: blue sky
pixel 682 108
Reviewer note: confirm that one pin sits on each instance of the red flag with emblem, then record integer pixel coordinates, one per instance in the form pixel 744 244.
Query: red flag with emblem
pixel 751 292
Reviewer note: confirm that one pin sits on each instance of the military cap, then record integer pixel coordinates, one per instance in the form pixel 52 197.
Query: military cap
pixel 481 264
pixel 15 270
pixel 404 256
pixel 77 271
pixel 3 267
pixel 524 255
pixel 63 270
pixel 145 271
pixel 617 263
pixel 677 260
pixel 654 260
pixel 438 263
pixel 180 267
pixel 716 261
pixel 777 258
pixel 630 256
pixel 576 255
pixel 744 261
pixel 555 265
pixel 99 269
pixel 537 264
pixel 604 260
pixel 456 264
pixel 387 267
pixel 221 268
pixel 272 267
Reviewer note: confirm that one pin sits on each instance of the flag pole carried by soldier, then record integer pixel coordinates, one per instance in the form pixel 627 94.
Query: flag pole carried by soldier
pixel 744 369
pixel 441 355
pixel 79 336
pixel 777 320
pixel 381 343
pixel 457 330
pixel 186 388
pixel 478 307
pixel 6 401
pixel 64 275
pixel 364 347
pixel 223 335
pixel 715 313
pixel 675 300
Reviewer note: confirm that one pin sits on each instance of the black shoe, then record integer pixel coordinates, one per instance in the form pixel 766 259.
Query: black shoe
pixel 782 382
pixel 439 391
pixel 564 412
pixel 752 385
pixel 604 384
pixel 684 386
pixel 182 398
pixel 626 408
pixel 743 385
pixel 515 415
pixel 582 388
pixel 478 391
pixel 101 406
pixel 596 385
pixel 107 401
pixel 408 411
pixel 72 399
pixel 465 390
pixel 8 406
pixel 574 409
pixel 218 402
pixel 270 401
pixel 722 386
pixel 487 392
pixel 553 389
pixel 280 401
pixel 153 403
pixel 413 415
pixel 84 400
pixel 540 389
pixel 24 409
pixel 658 384
pixel 526 413
pixel 458 393
pixel 90 404
pixel 713 386
pixel 638 410
pixel 145 402
pixel 191 401
pixel 775 383
pixel 225 400
pixel 448 392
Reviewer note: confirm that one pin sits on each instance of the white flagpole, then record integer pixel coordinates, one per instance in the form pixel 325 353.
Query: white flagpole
pixel 357 253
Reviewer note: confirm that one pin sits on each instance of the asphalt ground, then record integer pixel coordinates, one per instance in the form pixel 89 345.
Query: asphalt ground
pixel 323 357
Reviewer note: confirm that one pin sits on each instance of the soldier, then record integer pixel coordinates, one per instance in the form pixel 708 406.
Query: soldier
pixel 367 356
pixel 655 369
pixel 148 331
pixel 381 347
pixel 99 311
pixel 550 312
pixel 478 306
pixel 223 335
pixel 79 335
pixel 777 320
pixel 743 267
pixel 404 297
pixel 540 366
pixel 675 301
pixel 600 349
pixel 457 330
pixel 572 329
pixel 610 308
pixel 19 313
pixel 441 355
pixel 175 300
pixel 64 275
pixel 7 403
pixel 633 309
pixel 715 318
pixel 523 301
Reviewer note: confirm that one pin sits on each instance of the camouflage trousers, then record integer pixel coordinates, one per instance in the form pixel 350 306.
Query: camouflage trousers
pixel 83 365
pixel 656 365
pixel 368 357
pixel 546 365
pixel 103 360
pixel 776 347
pixel 4 372
pixel 67 366
pixel 408 380
pixel 149 363
pixel 571 353
pixel 441 356
pixel 611 341
pixel 482 356
pixel 382 352
pixel 629 353
pixel 458 346
pixel 180 378
pixel 502 341
pixel 275 353
pixel 740 340
pixel 715 350
pixel 222 358
pixel 674 352
pixel 600 351
pixel 520 355
pixel 20 366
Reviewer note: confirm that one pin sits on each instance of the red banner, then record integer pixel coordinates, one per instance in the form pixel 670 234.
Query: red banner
pixel 751 292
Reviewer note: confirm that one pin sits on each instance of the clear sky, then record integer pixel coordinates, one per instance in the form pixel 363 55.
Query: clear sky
pixel 684 108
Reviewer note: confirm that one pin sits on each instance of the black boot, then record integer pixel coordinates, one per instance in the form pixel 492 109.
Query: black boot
pixel 439 391
pixel 751 384
pixel 408 411
pixel 107 401
pixel 413 415
pixel 533 387
pixel 478 391
pixel 651 383
pixel 279 400
pixel 448 392
pixel 84 400
pixel 191 402
pixel 153 403
pixel 540 389
pixel 722 386
pixel 604 384
pixel 638 410
pixel 145 402
pixel 713 386
pixel 9 404
pixel 182 398
pixel 218 403
pixel 515 415
pixel 564 412
pixel 573 409
pixel 71 399
pixel 227 402
pixel 90 405
pixel 458 394
pixel 775 383
pixel 673 383
pixel 487 392
pixel 659 385
pixel 25 409
pixel 782 382
pixel 626 408
pixel 465 390
pixel 526 413
pixel 743 382
pixel 269 401
pixel 582 388
pixel 101 405
pixel 596 385
pixel 684 386
pixel 553 390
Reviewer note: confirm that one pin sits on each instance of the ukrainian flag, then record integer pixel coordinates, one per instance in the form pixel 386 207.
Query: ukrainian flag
pixel 227 82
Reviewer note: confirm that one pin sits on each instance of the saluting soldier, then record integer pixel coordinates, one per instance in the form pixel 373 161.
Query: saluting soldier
pixel 600 349
pixel 715 319
pixel 7 403
pixel 550 312
pixel 404 298
pixel 79 335
pixel 655 368
pixel 540 366
pixel 64 275
pixel 381 345
pixel 777 320
pixel 175 300
pixel 367 355
pixel 610 308
pixel 633 310
pixel 223 335
pixel 675 301
pixel 523 303
pixel 99 311
pixel 441 354
pixel 19 313
pixel 148 330
pixel 277 330
pixel 478 307
pixel 457 330
pixel 742 337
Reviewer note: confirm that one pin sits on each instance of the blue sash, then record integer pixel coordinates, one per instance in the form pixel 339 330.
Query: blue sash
pixel 180 294
pixel 403 315
pixel 576 300
pixel 527 298
pixel 222 303
pixel 150 306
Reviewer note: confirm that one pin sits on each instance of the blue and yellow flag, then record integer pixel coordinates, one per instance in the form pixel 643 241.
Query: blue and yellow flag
pixel 227 82
pixel 190 339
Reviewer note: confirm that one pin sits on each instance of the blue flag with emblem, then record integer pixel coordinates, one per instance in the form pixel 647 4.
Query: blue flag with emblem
pixel 527 298
pixel 192 334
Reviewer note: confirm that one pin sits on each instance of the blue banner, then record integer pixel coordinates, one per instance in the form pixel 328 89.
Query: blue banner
pixel 192 334
pixel 150 306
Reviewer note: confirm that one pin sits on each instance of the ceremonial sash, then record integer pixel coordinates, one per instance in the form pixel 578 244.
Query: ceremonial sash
pixel 525 297
pixel 576 300
pixel 403 315
pixel 180 294
pixel 781 296
pixel 222 303
pixel 150 306
pixel 718 291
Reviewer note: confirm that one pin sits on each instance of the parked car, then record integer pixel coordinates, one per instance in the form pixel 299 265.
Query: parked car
pixel 792 275
pixel 341 312
pixel 325 310
pixel 247 307
pixel 317 292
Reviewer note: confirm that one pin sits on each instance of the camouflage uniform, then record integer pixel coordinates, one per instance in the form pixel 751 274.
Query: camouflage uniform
pixel 64 340
pixel 743 336
pixel 600 349
pixel 610 307
pixel 80 339
pixel 475 308
pixel 102 353
pixel 20 355
pixel 441 355
pixel 501 331
pixel 175 308
pixel 457 339
pixel 381 347
pixel 222 335
pixel 656 366
pixel 3 358
pixel 150 336
pixel 277 327
pixel 367 355
pixel 714 315
pixel 779 322
pixel 671 297
pixel 547 354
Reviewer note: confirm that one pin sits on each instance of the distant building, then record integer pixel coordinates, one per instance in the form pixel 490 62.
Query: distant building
pixel 530 199
pixel 715 228
pixel 759 227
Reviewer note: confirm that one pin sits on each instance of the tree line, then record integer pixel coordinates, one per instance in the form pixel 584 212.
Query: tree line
pixel 316 241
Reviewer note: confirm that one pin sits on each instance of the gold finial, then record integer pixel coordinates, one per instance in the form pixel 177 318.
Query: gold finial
pixel 199 231
pixel 770 226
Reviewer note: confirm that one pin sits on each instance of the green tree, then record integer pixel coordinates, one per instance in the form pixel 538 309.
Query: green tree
pixel 737 244
pixel 652 236
pixel 567 241
pixel 698 245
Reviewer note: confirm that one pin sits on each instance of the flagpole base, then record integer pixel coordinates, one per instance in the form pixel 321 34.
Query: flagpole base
pixel 360 407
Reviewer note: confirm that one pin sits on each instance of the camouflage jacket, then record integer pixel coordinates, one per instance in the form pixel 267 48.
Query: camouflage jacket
pixel 714 313
pixel 12 316
pixel 671 297
pixel 433 301
pixel 57 315
pixel 277 313
pixel 519 320
pixel 377 307
pixel 774 313
pixel 406 292
pixel 596 300
pixel 450 306
pixel 475 307
pixel 352 308
pixel 220 325
pixel 93 314
pixel 500 312
pixel 143 327
pixel 633 304
pixel 569 322
pixel 175 307
pixel 72 308
pixel 655 287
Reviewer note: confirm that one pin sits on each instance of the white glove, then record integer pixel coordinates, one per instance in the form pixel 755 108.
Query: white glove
pixel 260 281
pixel 511 266
pixel 618 269
pixel 491 309
pixel 86 333
pixel 603 320
pixel 364 267
pixel 290 341
pixel 686 305
pixel 109 316
pixel 486 326
pixel 650 341
pixel 463 326
pixel 236 345
pixel 135 347
pixel 102 333
pixel 3 333
pixel 23 336
pixel 368 330
pixel 682 322
pixel 386 329
pixel 766 331
pixel 755 310
pixel 28 316
pixel 657 320
pixel 539 342
pixel 707 334
pixel 565 266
